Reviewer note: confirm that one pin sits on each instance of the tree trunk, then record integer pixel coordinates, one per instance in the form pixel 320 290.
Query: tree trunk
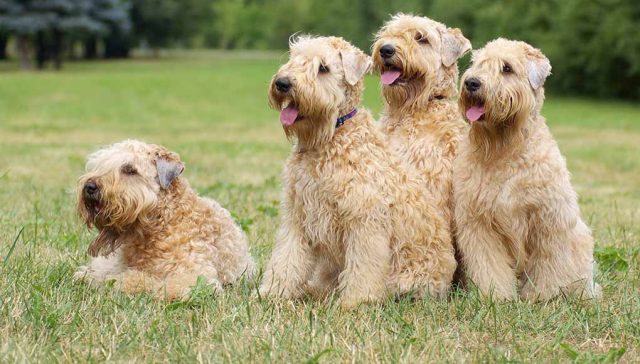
pixel 41 49
pixel 58 48
pixel 4 37
pixel 91 48
pixel 23 51
pixel 116 45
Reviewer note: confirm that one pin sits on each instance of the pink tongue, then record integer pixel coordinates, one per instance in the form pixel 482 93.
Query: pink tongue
pixel 389 77
pixel 288 115
pixel 475 113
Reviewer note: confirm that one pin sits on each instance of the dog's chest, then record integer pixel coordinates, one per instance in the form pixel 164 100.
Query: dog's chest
pixel 484 193
pixel 429 153
pixel 320 213
pixel 316 203
pixel 416 147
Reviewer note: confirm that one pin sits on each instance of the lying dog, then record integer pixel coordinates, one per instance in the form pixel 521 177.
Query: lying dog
pixel 155 233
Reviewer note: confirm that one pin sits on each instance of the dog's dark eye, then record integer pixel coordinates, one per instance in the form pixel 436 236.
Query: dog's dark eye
pixel 128 169
pixel 507 68
pixel 420 38
pixel 323 69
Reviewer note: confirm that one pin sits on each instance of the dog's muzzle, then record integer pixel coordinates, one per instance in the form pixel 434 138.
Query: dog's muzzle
pixel 91 197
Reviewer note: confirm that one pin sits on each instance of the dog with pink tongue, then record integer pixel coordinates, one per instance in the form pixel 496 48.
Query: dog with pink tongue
pixel 519 228
pixel 416 58
pixel 355 223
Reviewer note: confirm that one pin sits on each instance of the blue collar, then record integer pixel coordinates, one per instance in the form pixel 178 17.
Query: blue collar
pixel 342 119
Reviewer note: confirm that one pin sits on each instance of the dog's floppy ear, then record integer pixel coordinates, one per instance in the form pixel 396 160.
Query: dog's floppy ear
pixel 538 68
pixel 355 64
pixel 169 168
pixel 454 45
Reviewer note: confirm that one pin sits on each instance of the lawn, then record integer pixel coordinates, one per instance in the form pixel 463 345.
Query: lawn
pixel 212 109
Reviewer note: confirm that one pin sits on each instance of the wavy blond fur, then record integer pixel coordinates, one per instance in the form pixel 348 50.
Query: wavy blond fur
pixel 354 221
pixel 421 117
pixel 153 238
pixel 518 221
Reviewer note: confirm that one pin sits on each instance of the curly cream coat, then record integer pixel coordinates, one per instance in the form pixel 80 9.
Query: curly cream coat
pixel 155 233
pixel 518 221
pixel 421 118
pixel 353 220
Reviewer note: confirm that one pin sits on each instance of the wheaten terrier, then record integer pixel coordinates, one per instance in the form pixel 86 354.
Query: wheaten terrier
pixel 417 60
pixel 517 215
pixel 353 220
pixel 155 233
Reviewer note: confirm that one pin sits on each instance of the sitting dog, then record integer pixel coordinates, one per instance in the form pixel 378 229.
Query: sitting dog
pixel 353 220
pixel 518 221
pixel 155 233
pixel 417 59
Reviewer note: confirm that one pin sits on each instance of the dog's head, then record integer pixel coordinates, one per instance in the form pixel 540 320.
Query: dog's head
pixel 122 185
pixel 416 58
pixel 504 85
pixel 322 80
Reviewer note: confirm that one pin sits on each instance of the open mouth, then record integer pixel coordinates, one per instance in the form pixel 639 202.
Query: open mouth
pixel 475 113
pixel 93 205
pixel 289 113
pixel 390 75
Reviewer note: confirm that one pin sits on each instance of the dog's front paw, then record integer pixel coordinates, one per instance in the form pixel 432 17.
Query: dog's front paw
pixel 595 291
pixel 215 285
pixel 276 291
pixel 530 293
pixel 348 303
pixel 267 291
pixel 351 300
pixel 82 274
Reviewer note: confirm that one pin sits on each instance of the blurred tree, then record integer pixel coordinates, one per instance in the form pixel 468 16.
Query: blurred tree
pixel 356 21
pixel 592 44
pixel 596 49
pixel 4 38
pixel 117 43
pixel 163 23
pixel 340 18
pixel 152 20
pixel 287 17
pixel 61 17
pixel 46 21
pixel 114 16
pixel 16 19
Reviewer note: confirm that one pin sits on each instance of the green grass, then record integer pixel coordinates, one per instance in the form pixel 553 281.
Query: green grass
pixel 213 110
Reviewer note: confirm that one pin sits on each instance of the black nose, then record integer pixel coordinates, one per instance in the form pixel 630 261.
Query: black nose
pixel 283 84
pixel 472 84
pixel 387 51
pixel 90 188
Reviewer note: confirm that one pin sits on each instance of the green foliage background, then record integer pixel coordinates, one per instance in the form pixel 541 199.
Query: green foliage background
pixel 593 45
